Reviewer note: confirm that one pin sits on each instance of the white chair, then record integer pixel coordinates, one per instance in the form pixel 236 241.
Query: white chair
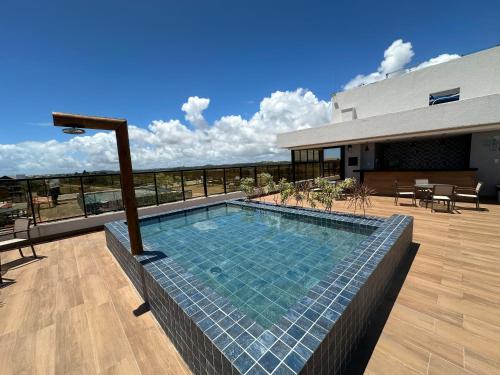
pixel 20 237
pixel 471 193
pixel 443 193
pixel 421 181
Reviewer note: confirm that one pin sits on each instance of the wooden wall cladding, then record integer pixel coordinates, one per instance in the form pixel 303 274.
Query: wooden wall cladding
pixel 383 181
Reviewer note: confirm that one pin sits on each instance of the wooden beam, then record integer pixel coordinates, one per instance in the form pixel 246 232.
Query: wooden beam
pixel 87 122
pixel 119 126
pixel 128 192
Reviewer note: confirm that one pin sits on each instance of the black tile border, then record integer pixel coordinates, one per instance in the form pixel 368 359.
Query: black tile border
pixel 315 336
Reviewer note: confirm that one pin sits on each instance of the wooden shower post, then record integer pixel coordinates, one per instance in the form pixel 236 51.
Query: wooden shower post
pixel 119 126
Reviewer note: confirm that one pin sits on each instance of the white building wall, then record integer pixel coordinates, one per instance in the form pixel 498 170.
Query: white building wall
pixel 476 75
pixel 464 116
pixel 485 155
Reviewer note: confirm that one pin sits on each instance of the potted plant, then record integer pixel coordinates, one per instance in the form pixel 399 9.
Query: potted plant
pixel 247 186
pixel 360 198
pixel 285 189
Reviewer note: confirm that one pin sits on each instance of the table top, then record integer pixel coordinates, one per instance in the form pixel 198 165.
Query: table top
pixel 428 186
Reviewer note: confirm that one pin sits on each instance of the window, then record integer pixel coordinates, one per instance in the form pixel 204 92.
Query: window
pixel 306 164
pixel 444 96
pixel 297 155
pixel 331 162
pixel 352 161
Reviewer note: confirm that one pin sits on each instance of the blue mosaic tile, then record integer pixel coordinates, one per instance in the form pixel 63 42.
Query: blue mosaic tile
pixel 283 369
pixel 244 362
pixel 256 350
pixel 294 361
pixel 269 361
pixel 235 330
pixel 280 349
pixel 233 351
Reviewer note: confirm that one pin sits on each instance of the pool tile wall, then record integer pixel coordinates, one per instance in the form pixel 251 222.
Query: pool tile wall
pixel 316 336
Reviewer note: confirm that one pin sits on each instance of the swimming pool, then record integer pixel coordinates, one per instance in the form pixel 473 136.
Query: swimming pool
pixel 252 288
pixel 263 262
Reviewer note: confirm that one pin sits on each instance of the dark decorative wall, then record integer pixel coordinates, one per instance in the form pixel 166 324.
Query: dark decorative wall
pixel 436 153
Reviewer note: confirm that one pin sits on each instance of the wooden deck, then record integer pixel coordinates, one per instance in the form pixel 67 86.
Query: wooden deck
pixel 72 311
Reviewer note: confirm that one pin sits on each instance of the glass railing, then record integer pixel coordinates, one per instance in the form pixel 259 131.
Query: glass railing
pixel 57 198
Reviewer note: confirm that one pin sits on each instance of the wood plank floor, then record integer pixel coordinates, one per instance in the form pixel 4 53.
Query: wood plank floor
pixel 72 311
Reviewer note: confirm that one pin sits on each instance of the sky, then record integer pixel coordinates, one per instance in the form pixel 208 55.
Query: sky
pixel 204 81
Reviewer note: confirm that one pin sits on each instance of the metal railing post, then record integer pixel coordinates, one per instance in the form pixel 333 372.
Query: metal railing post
pixel 156 189
pixel 30 197
pixel 83 197
pixel 205 182
pixel 182 186
pixel 255 175
pixel 224 179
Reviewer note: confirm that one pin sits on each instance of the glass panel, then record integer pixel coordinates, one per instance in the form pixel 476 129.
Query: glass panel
pixel 286 172
pixel 316 170
pixel 303 155
pixel 193 184
pixel 57 198
pixel 260 170
pixel 102 194
pixel 145 193
pixel 309 171
pixel 331 165
pixel 169 186
pixel 332 168
pixel 297 156
pixel 316 155
pixel 13 202
pixel 215 181
pixel 310 155
pixel 273 171
pixel 247 172
pixel 300 172
pixel 331 153
pixel 232 179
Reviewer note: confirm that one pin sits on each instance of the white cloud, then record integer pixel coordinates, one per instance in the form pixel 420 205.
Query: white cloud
pixel 194 108
pixel 171 143
pixel 436 60
pixel 396 57
pixel 229 139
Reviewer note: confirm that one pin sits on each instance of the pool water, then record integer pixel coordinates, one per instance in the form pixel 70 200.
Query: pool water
pixel 262 261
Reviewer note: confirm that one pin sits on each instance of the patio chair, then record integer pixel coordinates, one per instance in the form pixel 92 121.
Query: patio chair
pixel 422 193
pixel 443 193
pixel 421 181
pixel 401 191
pixel 469 193
pixel 21 237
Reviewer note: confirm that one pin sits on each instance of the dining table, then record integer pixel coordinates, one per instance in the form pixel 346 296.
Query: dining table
pixel 427 190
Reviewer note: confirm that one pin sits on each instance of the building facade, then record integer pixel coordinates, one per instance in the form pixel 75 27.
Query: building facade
pixel 441 122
